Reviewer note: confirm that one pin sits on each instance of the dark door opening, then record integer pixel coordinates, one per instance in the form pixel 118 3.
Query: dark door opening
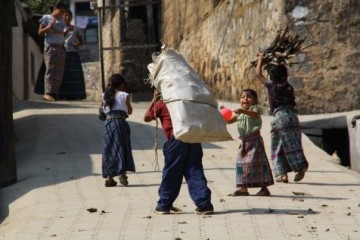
pixel 331 140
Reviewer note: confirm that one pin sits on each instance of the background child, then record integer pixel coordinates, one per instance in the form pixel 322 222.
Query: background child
pixel 117 156
pixel 286 149
pixel 73 84
pixel 252 165
pixel 53 27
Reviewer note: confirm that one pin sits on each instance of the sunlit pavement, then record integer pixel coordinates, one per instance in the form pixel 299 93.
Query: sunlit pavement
pixel 58 149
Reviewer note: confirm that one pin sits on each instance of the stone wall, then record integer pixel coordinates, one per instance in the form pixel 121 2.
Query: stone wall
pixel 92 77
pixel 327 76
pixel 220 38
pixel 124 36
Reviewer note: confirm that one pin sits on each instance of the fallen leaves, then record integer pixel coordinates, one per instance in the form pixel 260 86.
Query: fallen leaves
pixel 298 193
pixel 269 210
pixel 91 210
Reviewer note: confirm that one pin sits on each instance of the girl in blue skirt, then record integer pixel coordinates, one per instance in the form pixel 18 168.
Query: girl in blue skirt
pixel 117 156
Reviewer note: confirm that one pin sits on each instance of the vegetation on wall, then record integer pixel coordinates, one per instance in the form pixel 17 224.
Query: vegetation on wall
pixel 42 6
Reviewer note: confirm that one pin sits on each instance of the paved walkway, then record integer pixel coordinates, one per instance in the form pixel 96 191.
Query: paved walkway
pixel 58 149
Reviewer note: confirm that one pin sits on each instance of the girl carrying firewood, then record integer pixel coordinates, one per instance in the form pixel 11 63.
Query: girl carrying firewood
pixel 286 148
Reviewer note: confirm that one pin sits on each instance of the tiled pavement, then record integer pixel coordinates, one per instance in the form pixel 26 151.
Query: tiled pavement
pixel 58 149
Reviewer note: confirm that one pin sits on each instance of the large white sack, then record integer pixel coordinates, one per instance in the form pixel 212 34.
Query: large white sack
pixel 176 79
pixel 193 109
pixel 197 122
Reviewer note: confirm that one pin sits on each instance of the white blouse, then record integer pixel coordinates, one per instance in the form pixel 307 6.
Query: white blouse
pixel 120 102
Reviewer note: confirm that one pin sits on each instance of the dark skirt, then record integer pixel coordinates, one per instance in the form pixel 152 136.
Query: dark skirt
pixel 117 155
pixel 73 84
pixel 39 85
pixel 252 165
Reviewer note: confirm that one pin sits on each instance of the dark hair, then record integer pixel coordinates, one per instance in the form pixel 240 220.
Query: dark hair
pixel 69 12
pixel 59 4
pixel 277 73
pixel 115 81
pixel 251 92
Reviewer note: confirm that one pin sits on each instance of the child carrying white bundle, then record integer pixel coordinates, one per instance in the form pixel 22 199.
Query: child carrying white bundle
pixel 192 107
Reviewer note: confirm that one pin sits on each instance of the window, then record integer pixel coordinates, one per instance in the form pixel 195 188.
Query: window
pixel 91 35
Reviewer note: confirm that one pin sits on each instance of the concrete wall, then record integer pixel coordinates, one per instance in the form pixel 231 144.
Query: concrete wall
pixel 342 120
pixel 354 139
pixel 220 38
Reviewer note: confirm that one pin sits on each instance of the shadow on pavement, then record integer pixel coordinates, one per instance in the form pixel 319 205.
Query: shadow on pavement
pixel 57 142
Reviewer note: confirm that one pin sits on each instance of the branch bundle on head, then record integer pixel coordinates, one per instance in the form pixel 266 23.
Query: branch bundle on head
pixel 282 49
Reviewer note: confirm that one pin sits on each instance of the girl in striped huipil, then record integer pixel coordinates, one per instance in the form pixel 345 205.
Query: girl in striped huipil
pixel 252 165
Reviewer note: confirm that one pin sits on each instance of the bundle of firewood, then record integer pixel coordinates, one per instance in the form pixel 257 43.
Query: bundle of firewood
pixel 282 49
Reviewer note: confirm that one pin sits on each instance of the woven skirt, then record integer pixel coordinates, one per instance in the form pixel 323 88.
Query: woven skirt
pixel 54 59
pixel 252 165
pixel 286 148
pixel 117 155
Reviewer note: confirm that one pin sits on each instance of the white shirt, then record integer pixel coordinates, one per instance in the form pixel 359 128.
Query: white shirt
pixel 72 37
pixel 120 102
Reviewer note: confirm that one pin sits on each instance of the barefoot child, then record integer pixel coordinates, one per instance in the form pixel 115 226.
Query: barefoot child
pixel 252 166
pixel 286 149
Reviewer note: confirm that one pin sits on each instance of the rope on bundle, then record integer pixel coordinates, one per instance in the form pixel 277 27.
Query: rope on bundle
pixel 148 81
pixel 156 159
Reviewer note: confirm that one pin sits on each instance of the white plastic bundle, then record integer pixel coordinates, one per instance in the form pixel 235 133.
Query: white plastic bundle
pixel 193 109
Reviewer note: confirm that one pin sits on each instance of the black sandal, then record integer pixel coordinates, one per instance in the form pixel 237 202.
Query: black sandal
pixel 110 183
pixel 263 193
pixel 238 193
pixel 300 174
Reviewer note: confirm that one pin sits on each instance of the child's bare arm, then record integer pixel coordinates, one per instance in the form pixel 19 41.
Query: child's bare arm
pixel 232 119
pixel 148 115
pixel 252 114
pixel 128 104
pixel 258 70
pixel 43 29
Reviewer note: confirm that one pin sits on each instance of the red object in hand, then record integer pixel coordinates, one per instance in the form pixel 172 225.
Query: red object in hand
pixel 226 113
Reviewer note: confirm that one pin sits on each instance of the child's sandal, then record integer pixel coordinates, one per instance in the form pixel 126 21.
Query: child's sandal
pixel 110 183
pixel 123 180
pixel 263 193
pixel 282 178
pixel 300 174
pixel 238 193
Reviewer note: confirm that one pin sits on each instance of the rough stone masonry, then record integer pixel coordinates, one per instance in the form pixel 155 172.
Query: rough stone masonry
pixel 220 38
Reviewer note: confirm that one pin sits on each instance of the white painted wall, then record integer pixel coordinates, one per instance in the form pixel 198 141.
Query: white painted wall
pixel 17 59
pixel 20 55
